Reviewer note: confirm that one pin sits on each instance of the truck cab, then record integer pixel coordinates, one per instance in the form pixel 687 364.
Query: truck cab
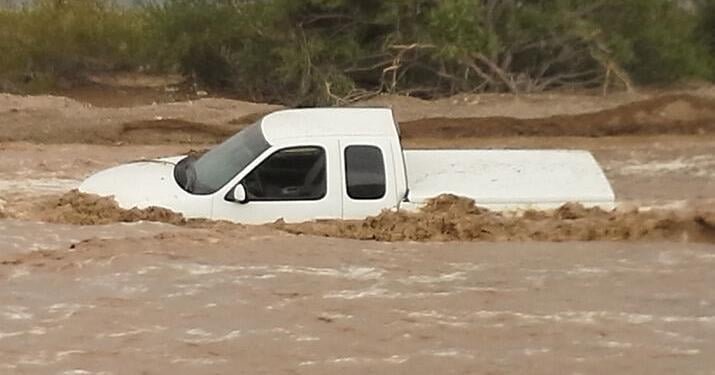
pixel 319 163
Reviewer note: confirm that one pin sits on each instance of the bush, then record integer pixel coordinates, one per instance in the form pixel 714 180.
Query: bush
pixel 196 37
pixel 69 38
pixel 706 31
pixel 657 41
pixel 313 52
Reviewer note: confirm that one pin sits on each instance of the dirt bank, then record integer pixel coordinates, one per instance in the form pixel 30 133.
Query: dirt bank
pixel 449 218
pixel 525 106
pixel 53 120
pixel 671 114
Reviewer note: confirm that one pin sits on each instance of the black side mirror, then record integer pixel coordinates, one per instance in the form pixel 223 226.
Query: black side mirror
pixel 237 194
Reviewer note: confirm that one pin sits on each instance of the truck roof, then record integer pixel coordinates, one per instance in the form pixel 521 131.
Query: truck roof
pixel 328 122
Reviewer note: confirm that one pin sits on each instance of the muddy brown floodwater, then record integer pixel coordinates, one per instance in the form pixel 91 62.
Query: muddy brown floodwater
pixel 88 288
pixel 260 301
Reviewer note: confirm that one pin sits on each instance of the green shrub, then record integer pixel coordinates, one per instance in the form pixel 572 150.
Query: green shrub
pixel 706 31
pixel 314 52
pixel 196 37
pixel 657 41
pixel 69 38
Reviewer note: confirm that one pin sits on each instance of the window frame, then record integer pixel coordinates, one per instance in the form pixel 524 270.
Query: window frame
pixel 384 172
pixel 289 199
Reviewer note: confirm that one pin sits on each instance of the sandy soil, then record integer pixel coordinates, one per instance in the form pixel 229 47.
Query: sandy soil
pixel 121 296
pixel 51 119
pixel 527 106
pixel 671 114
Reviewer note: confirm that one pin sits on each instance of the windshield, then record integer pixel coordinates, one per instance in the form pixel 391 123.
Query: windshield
pixel 214 169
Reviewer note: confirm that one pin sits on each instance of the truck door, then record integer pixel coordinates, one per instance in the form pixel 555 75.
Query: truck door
pixel 295 183
pixel 368 173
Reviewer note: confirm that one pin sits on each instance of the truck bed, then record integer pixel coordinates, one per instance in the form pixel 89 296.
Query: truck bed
pixel 509 179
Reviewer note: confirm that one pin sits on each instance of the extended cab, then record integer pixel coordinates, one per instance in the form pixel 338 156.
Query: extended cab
pixel 345 163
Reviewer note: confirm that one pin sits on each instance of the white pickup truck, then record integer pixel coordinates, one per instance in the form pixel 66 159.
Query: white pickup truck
pixel 345 163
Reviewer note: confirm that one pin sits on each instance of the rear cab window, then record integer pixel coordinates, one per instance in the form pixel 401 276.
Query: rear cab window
pixel 365 172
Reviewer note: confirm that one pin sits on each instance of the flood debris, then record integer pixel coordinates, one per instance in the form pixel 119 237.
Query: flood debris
pixel 444 218
pixel 451 218
pixel 79 208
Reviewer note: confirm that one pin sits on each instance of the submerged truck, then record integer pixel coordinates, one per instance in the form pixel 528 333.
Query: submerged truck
pixel 345 163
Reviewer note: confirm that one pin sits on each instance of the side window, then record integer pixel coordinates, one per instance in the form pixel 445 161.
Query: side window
pixel 365 172
pixel 290 174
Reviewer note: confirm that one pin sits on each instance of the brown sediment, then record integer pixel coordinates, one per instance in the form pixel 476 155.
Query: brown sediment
pixel 51 120
pixel 706 219
pixel 58 120
pixel 79 208
pixel 249 118
pixel 668 114
pixel 450 218
pixel 197 153
pixel 172 131
pixel 444 218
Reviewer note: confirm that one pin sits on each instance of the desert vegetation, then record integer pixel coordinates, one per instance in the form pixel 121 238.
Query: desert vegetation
pixel 308 52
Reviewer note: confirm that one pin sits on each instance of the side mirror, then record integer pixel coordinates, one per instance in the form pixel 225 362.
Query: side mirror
pixel 237 194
